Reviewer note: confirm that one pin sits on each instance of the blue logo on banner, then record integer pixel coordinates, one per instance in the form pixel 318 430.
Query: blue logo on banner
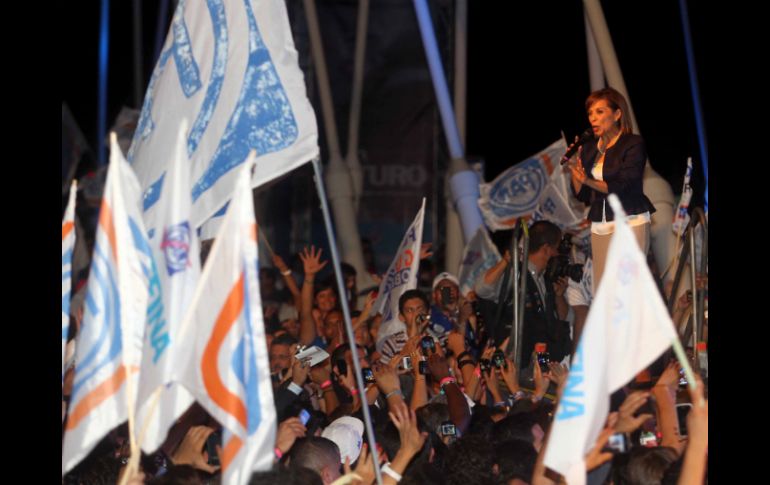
pixel 519 190
pixel 176 247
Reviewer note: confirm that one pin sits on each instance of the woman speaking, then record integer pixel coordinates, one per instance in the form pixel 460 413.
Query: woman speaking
pixel 612 163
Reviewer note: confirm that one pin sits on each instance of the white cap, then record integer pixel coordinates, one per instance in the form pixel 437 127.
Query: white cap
pixel 347 433
pixel 445 276
pixel 286 312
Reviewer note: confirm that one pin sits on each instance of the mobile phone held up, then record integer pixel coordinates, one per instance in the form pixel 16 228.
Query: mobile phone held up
pixel 682 410
pixel 213 440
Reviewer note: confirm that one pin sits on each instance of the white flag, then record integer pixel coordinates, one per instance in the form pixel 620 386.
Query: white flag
pixel 176 253
pixel 230 67
pixel 556 203
pixel 517 191
pixel 478 256
pixel 67 248
pixel 110 339
pixel 227 368
pixel 627 328
pixel 401 276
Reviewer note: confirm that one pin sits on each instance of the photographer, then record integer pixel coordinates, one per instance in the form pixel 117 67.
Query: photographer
pixel 545 308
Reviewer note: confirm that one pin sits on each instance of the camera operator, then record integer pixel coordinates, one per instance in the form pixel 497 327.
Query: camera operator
pixel 545 308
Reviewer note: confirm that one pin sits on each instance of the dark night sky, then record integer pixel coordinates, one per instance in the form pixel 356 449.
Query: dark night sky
pixel 527 75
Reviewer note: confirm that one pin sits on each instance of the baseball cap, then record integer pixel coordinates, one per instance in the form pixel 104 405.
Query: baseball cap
pixel 445 276
pixel 347 433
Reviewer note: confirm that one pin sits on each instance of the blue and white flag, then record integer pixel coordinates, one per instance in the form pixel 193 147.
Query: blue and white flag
pixel 230 67
pixel 517 191
pixel 478 256
pixel 109 343
pixel 401 276
pixel 556 203
pixel 627 328
pixel 226 366
pixel 67 248
pixel 173 277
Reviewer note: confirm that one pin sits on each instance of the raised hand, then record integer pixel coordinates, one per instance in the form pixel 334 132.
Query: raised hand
pixel 311 260
pixel 288 432
pixel 626 422
pixel 191 452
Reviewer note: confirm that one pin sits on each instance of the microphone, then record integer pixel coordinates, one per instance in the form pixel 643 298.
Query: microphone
pixel 587 135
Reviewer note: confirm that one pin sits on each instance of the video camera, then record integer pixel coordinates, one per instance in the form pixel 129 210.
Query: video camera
pixel 559 265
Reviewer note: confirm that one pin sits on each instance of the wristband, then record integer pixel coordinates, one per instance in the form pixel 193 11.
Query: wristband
pixel 278 453
pixel 447 380
pixel 286 273
pixel 386 469
pixel 326 384
pixel 393 393
pixel 465 362
pixel 353 392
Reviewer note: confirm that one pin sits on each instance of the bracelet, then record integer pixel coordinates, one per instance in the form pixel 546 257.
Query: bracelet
pixel 353 392
pixel 393 393
pixel 286 273
pixel 447 380
pixel 536 398
pixel 278 453
pixel 500 404
pixel 465 362
pixel 462 354
pixel 307 281
pixel 386 469
pixel 519 394
pixel 326 384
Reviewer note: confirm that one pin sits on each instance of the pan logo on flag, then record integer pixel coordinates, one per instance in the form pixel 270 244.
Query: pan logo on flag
pixel 520 190
pixel 176 247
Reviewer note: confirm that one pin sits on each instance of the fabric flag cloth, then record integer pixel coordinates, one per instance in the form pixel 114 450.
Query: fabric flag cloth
pixel 109 343
pixel 67 248
pixel 556 203
pixel 627 328
pixel 401 276
pixel 175 250
pixel 227 369
pixel 231 68
pixel 681 217
pixel 517 191
pixel 478 256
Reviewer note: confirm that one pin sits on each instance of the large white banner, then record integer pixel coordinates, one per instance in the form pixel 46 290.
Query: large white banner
pixel 230 67
pixel 627 328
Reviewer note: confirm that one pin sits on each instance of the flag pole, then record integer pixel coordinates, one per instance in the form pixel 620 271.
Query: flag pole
pixel 345 311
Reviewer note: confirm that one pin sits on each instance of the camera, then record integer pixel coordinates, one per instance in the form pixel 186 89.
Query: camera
pixel 423 319
pixel 406 363
pixel 448 429
pixel 682 378
pixel 498 359
pixel 368 375
pixel 618 443
pixel 428 345
pixel 543 357
pixel 559 265
pixel 423 367
pixel 485 365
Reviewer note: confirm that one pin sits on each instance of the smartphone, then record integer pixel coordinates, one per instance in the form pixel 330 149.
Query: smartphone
pixel 428 345
pixel 213 440
pixel 618 443
pixel 368 375
pixel 485 365
pixel 648 439
pixel 448 429
pixel 681 415
pixel 342 367
pixel 682 378
pixel 304 417
pixel 406 363
pixel 498 359
pixel 543 358
pixel 446 295
pixel 423 367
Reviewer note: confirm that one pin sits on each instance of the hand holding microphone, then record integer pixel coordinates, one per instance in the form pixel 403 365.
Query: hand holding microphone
pixel 587 135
